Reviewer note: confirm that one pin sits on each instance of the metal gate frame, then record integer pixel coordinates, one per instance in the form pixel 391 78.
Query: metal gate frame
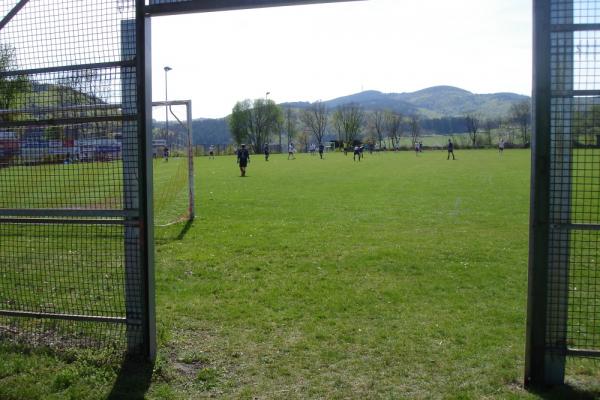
pixel 135 214
pixel 552 220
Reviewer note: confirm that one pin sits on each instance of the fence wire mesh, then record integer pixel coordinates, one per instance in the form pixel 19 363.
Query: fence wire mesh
pixel 71 268
pixel 52 268
pixel 573 302
pixel 574 12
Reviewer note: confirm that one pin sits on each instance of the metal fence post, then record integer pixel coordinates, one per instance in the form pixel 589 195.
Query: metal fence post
pixel 560 192
pixel 137 160
pixel 552 161
pixel 130 150
pixel 540 200
pixel 144 105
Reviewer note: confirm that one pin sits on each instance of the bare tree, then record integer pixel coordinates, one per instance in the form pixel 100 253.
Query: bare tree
pixel 507 130
pixel 279 130
pixel 338 126
pixel 304 140
pixel 520 114
pixel 371 135
pixel 290 125
pixel 472 120
pixel 378 125
pixel 415 129
pixel 351 118
pixel 82 87
pixel 315 119
pixel 393 123
pixel 489 125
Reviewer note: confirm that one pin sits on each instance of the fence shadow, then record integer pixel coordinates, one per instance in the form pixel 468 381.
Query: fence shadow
pixel 133 380
pixel 565 391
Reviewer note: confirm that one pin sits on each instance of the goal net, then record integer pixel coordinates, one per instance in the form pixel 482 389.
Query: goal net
pixel 173 168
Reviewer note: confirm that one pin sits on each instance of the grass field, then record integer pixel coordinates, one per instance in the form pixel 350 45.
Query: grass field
pixel 396 277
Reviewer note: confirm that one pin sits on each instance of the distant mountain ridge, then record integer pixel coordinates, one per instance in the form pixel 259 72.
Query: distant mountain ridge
pixel 432 102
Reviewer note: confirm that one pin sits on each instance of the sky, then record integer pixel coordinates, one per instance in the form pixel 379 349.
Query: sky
pixel 324 51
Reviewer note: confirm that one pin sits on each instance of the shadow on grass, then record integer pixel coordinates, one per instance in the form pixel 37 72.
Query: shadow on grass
pixel 171 233
pixel 133 380
pixel 185 229
pixel 565 392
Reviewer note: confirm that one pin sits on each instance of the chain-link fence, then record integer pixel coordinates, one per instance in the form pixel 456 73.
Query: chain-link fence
pixel 73 266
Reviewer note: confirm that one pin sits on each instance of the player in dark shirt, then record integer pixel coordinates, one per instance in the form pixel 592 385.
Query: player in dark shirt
pixel 267 152
pixel 243 158
pixel 321 149
pixel 356 153
pixel 450 149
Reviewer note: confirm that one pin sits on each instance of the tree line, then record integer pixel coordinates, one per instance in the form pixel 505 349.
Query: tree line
pixel 514 128
pixel 262 121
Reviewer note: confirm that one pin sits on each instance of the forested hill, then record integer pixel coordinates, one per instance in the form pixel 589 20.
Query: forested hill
pixel 433 102
pixel 442 109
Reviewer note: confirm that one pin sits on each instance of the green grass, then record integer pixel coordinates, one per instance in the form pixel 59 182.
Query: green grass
pixel 63 185
pixel 396 277
pixel 170 190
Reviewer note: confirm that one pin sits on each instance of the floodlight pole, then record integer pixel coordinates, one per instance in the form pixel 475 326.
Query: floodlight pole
pixel 167 69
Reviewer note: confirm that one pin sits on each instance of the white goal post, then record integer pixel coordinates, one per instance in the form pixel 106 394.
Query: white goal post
pixel 190 149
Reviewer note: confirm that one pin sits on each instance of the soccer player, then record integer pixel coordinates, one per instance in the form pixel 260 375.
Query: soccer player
pixel 267 152
pixel 450 149
pixel 211 152
pixel 166 153
pixel 291 151
pixel 501 146
pixel 356 153
pixel 243 158
pixel 321 149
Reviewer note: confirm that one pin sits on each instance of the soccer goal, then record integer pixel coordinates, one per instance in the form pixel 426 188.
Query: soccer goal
pixel 173 162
